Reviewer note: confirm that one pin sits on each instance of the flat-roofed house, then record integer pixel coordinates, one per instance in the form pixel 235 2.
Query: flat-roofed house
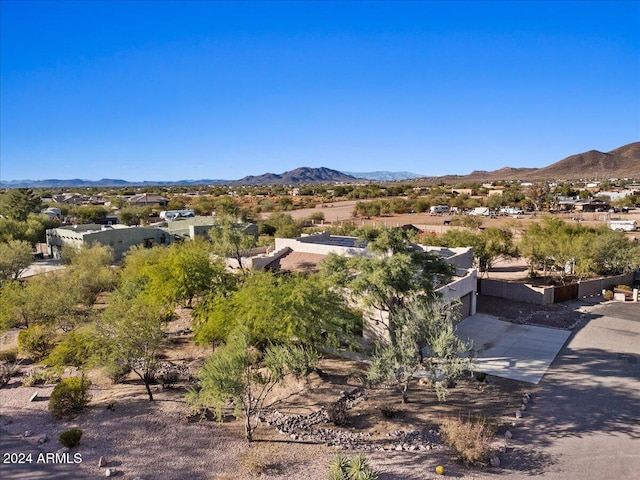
pixel 119 238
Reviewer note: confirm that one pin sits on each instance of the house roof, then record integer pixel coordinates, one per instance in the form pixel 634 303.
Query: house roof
pixel 148 198
pixel 297 262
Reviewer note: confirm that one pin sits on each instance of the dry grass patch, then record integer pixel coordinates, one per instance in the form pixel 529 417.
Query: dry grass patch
pixel 470 438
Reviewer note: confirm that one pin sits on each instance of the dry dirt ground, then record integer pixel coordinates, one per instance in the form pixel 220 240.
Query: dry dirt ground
pixel 161 440
pixel 337 212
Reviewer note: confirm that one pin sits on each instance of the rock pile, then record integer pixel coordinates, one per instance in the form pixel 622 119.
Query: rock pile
pixel 301 427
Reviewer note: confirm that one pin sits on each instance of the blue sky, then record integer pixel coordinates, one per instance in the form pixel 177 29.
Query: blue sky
pixel 189 90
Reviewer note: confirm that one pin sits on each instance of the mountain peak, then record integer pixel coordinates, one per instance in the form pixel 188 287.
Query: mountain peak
pixel 298 175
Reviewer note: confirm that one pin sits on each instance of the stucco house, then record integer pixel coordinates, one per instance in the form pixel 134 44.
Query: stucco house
pixel 306 252
pixel 119 237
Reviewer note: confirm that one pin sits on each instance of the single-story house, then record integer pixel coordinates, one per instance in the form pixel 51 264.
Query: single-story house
pixel 190 228
pixel 306 252
pixel 145 199
pixel 119 237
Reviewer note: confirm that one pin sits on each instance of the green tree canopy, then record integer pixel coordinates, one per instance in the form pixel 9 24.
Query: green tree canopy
pixel 44 298
pixel 18 203
pixel 130 333
pixel 488 244
pixel 89 272
pixel 239 376
pixel 277 309
pixel 230 239
pixel 388 283
pixel 31 230
pixel 282 225
pixel 15 258
pixel 427 325
pixel 176 274
pixel 556 245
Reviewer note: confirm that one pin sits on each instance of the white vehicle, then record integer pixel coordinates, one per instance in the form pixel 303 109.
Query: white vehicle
pixel 438 210
pixel 173 214
pixel 623 225
pixel 511 211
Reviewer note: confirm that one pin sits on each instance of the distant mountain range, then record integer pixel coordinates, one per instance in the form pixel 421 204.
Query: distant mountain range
pixel 623 162
pixel 299 175
pixel 105 182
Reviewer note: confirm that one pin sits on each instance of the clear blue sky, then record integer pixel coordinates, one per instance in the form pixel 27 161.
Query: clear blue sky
pixel 188 90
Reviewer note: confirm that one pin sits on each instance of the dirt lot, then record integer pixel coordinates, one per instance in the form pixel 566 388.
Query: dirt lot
pixel 337 212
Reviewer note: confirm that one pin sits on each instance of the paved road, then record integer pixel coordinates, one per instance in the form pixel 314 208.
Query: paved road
pixel 585 421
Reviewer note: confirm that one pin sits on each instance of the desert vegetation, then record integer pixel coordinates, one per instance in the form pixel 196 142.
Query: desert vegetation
pixel 267 340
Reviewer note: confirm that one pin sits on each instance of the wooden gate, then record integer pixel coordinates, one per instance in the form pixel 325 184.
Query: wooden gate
pixel 565 293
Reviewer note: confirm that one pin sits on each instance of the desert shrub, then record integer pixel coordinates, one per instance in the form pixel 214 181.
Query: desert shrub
pixel 388 410
pixel 8 370
pixel 317 216
pixel 351 468
pixel 608 295
pixel 169 378
pixel 36 341
pixel 69 396
pixel 71 438
pixel 9 355
pixel 75 349
pixel 470 438
pixel 44 376
pixel 259 460
pixel 624 287
pixel 337 414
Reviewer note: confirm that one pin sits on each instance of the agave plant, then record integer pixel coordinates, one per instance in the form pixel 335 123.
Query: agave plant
pixel 339 467
pixel 351 468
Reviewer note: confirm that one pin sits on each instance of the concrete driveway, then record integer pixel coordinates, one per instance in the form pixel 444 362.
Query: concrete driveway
pixel 42 266
pixel 505 349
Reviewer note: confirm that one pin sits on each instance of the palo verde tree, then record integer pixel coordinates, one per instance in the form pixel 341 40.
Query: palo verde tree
pixel 89 272
pixel 395 274
pixel 425 325
pixel 562 247
pixel 230 239
pixel 15 258
pixel 282 225
pixel 239 376
pixel 488 245
pixel 31 230
pixel 44 299
pixel 605 252
pixel 278 309
pixel 130 333
pixel 176 274
pixel 193 273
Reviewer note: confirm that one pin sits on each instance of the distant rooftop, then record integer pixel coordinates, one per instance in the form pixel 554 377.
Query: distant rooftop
pixel 334 240
pixel 92 227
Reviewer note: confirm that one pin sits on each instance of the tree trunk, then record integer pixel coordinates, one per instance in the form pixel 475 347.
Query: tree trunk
pixel 248 429
pixel 405 395
pixel 148 387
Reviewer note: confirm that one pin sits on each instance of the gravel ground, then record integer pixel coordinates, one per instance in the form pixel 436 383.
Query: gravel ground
pixel 137 437
pixel 155 440
pixel 560 315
